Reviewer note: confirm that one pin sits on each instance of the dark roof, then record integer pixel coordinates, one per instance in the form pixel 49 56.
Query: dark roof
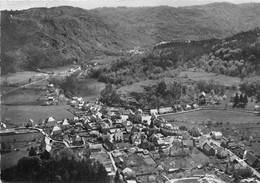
pixel 232 144
pixel 251 159
pixel 109 145
pixel 207 147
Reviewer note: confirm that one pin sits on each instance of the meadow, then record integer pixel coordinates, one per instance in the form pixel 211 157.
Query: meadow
pixel 215 115
pixel 222 79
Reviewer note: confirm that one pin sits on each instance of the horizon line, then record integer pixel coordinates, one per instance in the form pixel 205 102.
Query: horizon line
pixel 76 4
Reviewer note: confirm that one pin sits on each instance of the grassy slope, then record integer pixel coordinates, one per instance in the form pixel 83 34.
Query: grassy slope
pixel 222 79
pixel 43 37
pixel 21 114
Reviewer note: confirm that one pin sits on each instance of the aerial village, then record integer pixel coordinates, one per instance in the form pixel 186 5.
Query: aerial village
pixel 141 146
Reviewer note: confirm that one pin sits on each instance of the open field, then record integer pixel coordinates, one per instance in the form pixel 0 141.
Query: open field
pixel 21 138
pixel 139 86
pixel 21 77
pixel 27 96
pixel 57 70
pixel 11 159
pixel 215 115
pixel 21 114
pixel 18 141
pixel 105 61
pixel 140 163
pixel 222 79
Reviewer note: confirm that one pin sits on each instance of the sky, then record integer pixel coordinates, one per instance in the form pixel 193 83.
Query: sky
pixel 91 4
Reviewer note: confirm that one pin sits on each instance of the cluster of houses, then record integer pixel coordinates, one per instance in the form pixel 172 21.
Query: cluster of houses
pixel 109 129
pixel 175 108
pixel 53 96
pixel 241 152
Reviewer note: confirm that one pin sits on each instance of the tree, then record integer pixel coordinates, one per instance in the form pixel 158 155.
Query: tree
pixel 28 125
pixel 86 153
pixel 151 124
pixel 241 98
pixel 117 177
pixel 236 100
pixel 161 87
pixel 102 174
pixel 29 167
pixel 109 95
pixel 258 96
pixel 32 152
pixel 245 99
pixel 252 58
pixel 136 119
pixel 45 155
pixel 194 132
pixel 70 84
pixel 242 173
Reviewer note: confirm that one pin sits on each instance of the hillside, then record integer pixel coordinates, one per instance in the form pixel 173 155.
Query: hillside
pixel 49 37
pixel 155 24
pixel 237 56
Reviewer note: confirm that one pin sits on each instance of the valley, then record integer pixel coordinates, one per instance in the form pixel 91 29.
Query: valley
pixel 131 94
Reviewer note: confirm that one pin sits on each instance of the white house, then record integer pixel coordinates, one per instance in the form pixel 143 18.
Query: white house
pixel 217 135
pixel 56 130
pixel 119 136
pixel 153 111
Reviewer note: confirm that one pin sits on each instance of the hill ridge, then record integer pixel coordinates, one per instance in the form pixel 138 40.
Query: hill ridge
pixel 27 34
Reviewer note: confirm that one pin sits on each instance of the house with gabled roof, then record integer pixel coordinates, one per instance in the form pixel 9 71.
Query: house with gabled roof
pixel 108 145
pixel 78 141
pixel 208 150
pixel 118 135
pixel 50 122
pixel 232 145
pixel 251 159
pixel 56 131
